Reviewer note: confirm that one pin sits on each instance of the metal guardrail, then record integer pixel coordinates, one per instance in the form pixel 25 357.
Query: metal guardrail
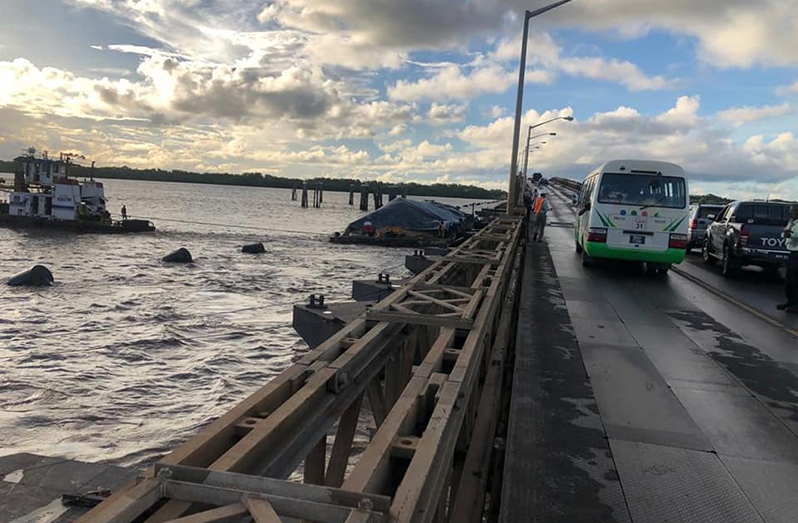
pixel 428 361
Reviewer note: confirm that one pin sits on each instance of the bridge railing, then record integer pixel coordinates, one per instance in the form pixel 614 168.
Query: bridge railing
pixel 425 364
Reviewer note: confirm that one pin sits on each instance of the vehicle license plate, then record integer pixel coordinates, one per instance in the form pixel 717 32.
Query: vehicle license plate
pixel 638 239
pixel 780 256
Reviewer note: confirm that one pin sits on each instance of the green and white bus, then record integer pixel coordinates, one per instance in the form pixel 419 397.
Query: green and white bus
pixel 633 210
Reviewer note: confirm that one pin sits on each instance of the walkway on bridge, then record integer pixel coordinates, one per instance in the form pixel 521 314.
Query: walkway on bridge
pixel 645 399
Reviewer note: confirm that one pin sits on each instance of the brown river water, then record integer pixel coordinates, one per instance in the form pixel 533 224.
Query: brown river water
pixel 126 356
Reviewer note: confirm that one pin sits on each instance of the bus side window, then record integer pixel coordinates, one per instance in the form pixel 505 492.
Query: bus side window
pixel 583 196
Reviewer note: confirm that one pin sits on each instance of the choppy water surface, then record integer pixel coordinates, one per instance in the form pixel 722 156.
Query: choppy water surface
pixel 127 356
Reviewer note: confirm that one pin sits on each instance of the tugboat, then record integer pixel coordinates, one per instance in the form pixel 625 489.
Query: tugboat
pixel 45 196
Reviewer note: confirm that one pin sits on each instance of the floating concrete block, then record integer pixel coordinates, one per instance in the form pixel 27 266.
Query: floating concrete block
pixel 253 248
pixel 370 290
pixel 36 276
pixel 417 263
pixel 179 256
pixel 315 325
pixel 436 251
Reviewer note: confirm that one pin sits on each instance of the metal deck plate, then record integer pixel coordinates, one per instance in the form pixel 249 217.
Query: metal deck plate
pixel 670 485
pixel 636 403
pixel 679 360
pixel 558 467
pixel 771 487
pixel 738 425
pixel 603 332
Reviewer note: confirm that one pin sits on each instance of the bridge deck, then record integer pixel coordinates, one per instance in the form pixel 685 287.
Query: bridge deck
pixel 640 399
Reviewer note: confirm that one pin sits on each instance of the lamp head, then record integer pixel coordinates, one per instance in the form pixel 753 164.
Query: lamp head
pixel 569 118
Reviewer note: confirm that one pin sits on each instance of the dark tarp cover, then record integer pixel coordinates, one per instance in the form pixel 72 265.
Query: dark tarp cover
pixel 411 215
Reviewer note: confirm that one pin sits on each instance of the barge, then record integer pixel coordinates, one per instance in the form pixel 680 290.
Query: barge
pixel 45 196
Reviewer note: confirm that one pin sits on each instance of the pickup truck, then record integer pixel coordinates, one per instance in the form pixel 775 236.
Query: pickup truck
pixel 747 233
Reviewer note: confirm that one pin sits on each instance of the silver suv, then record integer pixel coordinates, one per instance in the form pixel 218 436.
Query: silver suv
pixel 700 216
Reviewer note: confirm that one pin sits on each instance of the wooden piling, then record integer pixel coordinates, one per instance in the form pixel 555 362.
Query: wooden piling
pixel 364 197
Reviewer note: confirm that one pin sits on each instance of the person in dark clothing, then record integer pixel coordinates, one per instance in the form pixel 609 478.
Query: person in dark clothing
pixel 124 212
pixel 790 234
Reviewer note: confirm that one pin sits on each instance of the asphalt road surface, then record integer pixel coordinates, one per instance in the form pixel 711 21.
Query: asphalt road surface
pixel 650 398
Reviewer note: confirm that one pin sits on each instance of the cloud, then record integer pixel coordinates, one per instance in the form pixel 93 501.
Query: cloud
pixel 172 91
pixel 738 116
pixel 441 113
pixel 787 89
pixel 678 134
pixel 622 72
pixel 544 52
pixel 728 33
pixel 449 83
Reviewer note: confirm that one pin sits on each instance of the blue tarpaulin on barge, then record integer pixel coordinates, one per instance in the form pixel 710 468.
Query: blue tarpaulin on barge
pixel 411 215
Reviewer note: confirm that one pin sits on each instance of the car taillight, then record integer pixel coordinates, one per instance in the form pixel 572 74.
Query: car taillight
pixel 742 240
pixel 692 224
pixel 677 241
pixel 597 234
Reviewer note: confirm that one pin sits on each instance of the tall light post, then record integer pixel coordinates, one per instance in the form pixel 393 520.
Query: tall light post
pixel 529 139
pixel 519 102
pixel 527 152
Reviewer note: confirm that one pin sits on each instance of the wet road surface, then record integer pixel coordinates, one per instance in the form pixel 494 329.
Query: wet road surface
pixel 647 399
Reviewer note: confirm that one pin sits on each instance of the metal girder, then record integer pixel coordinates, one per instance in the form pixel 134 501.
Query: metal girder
pixel 445 319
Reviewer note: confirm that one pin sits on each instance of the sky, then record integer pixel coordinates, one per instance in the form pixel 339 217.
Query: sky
pixel 407 90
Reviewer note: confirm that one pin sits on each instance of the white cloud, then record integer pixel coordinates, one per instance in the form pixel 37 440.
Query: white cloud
pixel 442 113
pixel 449 83
pixel 787 89
pixel 172 91
pixel 738 116
pixel 543 51
pixel 619 71
pixel 678 134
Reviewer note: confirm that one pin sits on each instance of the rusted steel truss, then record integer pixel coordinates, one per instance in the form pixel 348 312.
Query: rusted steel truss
pixel 425 364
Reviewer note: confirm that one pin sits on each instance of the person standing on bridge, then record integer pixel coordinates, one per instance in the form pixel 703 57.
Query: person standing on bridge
pixel 790 234
pixel 539 210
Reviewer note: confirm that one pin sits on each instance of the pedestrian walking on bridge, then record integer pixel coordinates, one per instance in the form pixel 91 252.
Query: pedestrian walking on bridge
pixel 790 234
pixel 539 210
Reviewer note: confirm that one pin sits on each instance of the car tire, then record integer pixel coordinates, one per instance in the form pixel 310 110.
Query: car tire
pixel 728 267
pixel 707 254
pixel 663 270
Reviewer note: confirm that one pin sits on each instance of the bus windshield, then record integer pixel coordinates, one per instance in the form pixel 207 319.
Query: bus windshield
pixel 643 189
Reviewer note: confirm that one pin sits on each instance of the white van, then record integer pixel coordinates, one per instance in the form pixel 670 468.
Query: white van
pixel 634 210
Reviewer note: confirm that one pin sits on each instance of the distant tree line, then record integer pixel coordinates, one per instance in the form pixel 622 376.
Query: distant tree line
pixel 709 199
pixel 256 179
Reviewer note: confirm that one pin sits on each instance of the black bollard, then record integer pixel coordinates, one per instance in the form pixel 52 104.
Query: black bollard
pixel 179 256
pixel 254 248
pixel 36 276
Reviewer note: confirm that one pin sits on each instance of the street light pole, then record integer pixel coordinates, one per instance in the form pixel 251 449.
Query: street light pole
pixel 529 138
pixel 519 102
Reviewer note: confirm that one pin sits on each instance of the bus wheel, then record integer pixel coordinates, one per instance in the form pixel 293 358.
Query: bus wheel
pixel 664 270
pixel 587 260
